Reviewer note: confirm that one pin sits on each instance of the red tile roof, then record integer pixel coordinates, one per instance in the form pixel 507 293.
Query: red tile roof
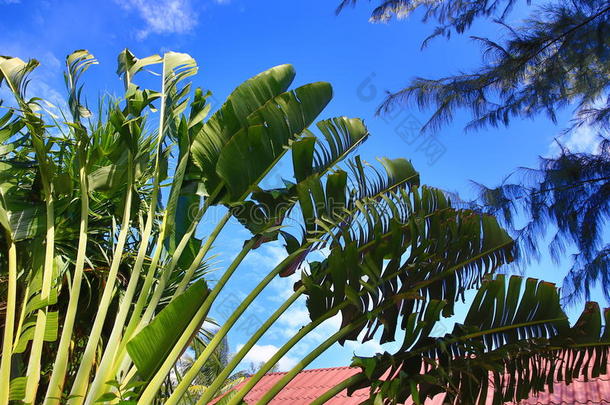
pixel 594 391
pixel 309 384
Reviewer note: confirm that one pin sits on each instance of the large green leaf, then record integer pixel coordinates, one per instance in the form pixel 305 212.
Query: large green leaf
pixel 342 136
pixel 5 222
pixel 346 195
pixel 253 151
pixel 149 348
pixel 233 116
pixel 17 392
pixel 14 72
pixel 515 336
pixel 50 333
pixel 129 65
pixel 409 248
pixel 78 62
pixel 107 178
pixel 311 158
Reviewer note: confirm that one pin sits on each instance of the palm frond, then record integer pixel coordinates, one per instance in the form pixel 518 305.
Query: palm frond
pixel 515 341
pixel 232 116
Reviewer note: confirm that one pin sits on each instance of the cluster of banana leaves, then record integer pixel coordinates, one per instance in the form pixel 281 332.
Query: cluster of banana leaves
pixel 103 277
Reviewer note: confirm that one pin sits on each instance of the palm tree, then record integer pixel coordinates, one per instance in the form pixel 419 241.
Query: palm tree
pixel 556 58
pixel 399 255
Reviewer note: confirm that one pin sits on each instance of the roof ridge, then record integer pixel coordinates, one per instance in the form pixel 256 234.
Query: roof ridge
pixel 327 369
pixel 305 387
pixel 274 373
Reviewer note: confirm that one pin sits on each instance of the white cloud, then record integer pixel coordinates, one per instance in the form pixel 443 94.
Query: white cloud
pixel 284 287
pixel 582 140
pixel 262 353
pixel 369 348
pixel 266 257
pixel 10 1
pixel 293 319
pixel 163 16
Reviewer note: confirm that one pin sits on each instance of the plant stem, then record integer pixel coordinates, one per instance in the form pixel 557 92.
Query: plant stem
pixel 311 356
pixel 26 293
pixel 319 350
pixel 191 374
pixel 115 341
pixel 226 327
pixel 9 323
pixel 121 362
pixel 60 366
pixel 277 387
pixel 200 256
pixel 34 367
pixel 143 296
pixel 126 301
pixel 160 288
pixel 211 390
pixel 235 400
pixel 150 392
pixel 135 324
pixel 81 381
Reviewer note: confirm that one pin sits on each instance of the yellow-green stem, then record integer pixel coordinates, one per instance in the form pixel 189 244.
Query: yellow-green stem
pixel 121 362
pixel 200 256
pixel 277 387
pixel 151 390
pixel 9 323
pixel 167 271
pixel 281 352
pixel 224 330
pixel 60 366
pixel 110 351
pixel 34 364
pixel 134 324
pixel 26 293
pixel 115 336
pixel 81 381
pixel 213 388
pixel 346 330
pixel 143 296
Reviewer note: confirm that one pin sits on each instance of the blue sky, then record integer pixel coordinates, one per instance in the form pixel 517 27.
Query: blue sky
pixel 233 40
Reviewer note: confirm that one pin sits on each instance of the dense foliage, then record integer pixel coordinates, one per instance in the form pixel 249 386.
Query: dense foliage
pixel 104 279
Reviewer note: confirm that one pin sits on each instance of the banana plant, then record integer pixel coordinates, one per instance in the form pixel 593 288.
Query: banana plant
pixel 515 342
pixel 106 280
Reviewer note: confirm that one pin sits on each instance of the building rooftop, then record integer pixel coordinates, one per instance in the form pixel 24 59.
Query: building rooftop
pixel 309 384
